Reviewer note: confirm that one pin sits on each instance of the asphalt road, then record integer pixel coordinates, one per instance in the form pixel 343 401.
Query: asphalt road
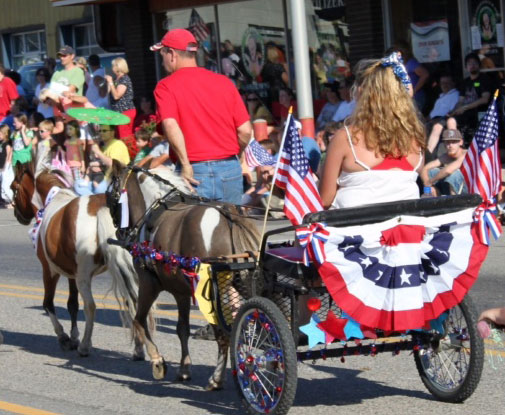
pixel 36 377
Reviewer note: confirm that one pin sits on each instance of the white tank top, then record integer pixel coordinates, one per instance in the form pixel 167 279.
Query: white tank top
pixel 374 186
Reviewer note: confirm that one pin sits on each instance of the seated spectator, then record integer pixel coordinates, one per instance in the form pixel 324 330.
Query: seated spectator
pixel 280 109
pixel 145 113
pixel 142 137
pixel 112 149
pixel 330 108
pixel 443 175
pixel 257 110
pixel 447 99
pixel 474 95
pixel 347 104
pixel 159 155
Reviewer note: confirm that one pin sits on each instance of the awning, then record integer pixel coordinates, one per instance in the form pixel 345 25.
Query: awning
pixel 57 3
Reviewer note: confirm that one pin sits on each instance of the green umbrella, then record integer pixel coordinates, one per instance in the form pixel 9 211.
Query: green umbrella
pixel 99 116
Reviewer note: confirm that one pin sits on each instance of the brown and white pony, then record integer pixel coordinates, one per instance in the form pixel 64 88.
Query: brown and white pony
pixel 186 230
pixel 72 241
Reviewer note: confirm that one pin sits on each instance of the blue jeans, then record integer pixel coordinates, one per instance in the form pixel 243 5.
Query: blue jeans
pixel 219 180
pixel 452 184
pixel 84 188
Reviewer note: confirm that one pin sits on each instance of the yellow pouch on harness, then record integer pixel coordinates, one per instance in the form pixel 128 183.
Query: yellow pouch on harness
pixel 204 295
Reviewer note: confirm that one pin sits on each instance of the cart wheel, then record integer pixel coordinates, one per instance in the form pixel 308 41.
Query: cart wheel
pixel 263 358
pixel 451 364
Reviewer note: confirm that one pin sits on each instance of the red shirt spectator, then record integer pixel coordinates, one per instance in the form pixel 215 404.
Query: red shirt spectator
pixel 209 124
pixel 8 93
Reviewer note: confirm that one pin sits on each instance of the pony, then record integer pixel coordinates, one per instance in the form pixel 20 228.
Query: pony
pixel 72 241
pixel 188 230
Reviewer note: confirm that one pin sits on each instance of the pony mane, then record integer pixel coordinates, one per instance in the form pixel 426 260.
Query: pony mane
pixel 171 176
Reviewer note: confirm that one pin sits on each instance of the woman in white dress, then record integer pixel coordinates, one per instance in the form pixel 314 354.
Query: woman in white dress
pixel 376 156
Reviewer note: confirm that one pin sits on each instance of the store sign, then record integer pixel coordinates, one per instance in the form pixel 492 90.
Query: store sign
pixel 430 41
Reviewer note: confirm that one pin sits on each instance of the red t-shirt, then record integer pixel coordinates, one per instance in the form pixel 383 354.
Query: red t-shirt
pixel 207 107
pixel 8 92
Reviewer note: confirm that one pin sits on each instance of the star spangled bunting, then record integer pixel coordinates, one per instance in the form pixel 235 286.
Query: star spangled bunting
pixel 295 177
pixel 256 155
pixel 481 170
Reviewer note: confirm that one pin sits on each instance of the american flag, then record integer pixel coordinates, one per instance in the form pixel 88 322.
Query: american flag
pixel 197 26
pixel 481 167
pixel 295 177
pixel 256 155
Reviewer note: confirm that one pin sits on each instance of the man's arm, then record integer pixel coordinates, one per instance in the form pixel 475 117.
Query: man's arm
pixel 447 170
pixel 427 167
pixel 483 100
pixel 244 133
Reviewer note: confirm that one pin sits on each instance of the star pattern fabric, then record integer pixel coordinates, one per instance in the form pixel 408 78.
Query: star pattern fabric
pixel 314 333
pixel 333 327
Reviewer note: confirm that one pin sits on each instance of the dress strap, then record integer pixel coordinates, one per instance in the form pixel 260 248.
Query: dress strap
pixel 353 152
pixel 420 160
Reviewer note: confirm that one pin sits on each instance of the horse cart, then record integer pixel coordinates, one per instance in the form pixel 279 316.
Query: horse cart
pixel 261 302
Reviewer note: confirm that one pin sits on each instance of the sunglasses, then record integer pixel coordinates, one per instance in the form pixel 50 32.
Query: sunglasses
pixel 43 131
pixel 251 99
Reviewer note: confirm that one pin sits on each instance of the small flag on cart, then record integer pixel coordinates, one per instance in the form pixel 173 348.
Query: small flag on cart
pixel 481 170
pixel 295 177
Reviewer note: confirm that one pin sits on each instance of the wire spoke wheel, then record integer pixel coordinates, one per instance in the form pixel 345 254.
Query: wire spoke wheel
pixel 450 363
pixel 263 358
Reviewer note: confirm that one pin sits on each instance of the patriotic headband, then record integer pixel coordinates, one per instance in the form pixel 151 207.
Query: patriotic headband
pixel 396 62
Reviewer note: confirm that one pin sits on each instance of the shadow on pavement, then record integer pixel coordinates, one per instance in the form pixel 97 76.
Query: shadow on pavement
pixel 111 318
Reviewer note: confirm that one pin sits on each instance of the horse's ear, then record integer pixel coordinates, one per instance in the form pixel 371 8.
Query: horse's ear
pixel 117 168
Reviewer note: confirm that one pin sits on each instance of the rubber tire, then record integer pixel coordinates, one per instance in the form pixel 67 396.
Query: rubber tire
pixel 466 389
pixel 264 305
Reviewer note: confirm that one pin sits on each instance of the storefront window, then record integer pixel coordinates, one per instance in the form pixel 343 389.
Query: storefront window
pixel 328 42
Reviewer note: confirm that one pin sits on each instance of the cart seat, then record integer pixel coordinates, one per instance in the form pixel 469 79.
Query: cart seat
pixel 288 261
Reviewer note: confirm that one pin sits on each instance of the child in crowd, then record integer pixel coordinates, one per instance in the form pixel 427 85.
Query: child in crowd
pixel 74 150
pixel 21 140
pixel 5 162
pixel 46 141
pixel 254 195
pixel 142 137
pixel 34 120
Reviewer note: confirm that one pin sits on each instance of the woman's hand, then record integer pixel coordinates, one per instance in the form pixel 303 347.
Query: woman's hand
pixel 108 79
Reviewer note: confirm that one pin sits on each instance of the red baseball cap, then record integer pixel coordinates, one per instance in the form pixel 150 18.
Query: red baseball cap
pixel 180 39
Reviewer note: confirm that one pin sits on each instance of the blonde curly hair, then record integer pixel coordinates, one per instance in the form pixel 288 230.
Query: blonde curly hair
pixel 385 113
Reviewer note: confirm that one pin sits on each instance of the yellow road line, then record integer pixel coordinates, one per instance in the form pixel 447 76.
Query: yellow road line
pixel 99 305
pixel 23 410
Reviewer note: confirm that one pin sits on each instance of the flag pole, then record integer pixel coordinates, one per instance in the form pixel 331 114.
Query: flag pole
pixel 290 114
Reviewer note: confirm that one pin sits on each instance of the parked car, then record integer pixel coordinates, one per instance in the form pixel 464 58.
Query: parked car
pixel 28 71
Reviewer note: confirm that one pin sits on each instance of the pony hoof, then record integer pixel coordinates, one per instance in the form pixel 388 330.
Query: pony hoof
pixel 138 358
pixel 183 377
pixel 159 369
pixel 83 351
pixel 64 342
pixel 74 344
pixel 214 386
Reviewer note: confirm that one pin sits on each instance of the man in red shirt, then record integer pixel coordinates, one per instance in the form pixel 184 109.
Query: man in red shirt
pixel 204 119
pixel 8 93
